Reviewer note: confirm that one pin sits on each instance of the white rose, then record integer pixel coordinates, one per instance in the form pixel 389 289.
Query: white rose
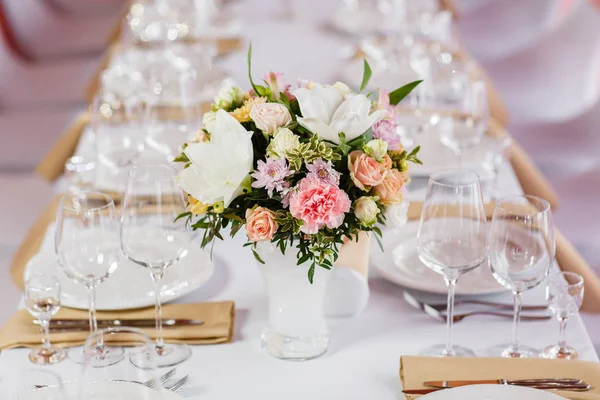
pixel 229 97
pixel 396 215
pixel 366 210
pixel 376 148
pixel 270 116
pixel 219 169
pixel 342 88
pixel 283 141
pixel 208 120
pixel 326 113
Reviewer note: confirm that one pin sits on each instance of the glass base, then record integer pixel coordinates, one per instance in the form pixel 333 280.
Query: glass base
pixel 440 351
pixel 167 356
pixel 47 356
pixel 294 348
pixel 509 351
pixel 563 353
pixel 105 356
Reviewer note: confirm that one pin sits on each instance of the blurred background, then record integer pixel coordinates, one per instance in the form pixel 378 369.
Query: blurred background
pixel 543 57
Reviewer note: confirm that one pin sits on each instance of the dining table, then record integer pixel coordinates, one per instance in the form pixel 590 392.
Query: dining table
pixel 363 359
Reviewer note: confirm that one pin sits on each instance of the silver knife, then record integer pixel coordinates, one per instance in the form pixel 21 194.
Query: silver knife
pixel 140 323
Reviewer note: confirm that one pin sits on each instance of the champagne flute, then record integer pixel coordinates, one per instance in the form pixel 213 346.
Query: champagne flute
pixel 452 238
pixel 565 296
pixel 153 238
pixel 42 299
pixel 87 248
pixel 522 249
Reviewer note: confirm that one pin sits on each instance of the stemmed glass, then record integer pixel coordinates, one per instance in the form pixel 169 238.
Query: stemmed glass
pixel 565 296
pixel 522 249
pixel 42 299
pixel 452 238
pixel 87 248
pixel 153 238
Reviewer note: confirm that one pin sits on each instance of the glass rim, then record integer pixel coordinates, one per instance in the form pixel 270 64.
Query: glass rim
pixel 534 200
pixel 109 201
pixel 44 275
pixel 433 177
pixel 557 279
pixel 164 167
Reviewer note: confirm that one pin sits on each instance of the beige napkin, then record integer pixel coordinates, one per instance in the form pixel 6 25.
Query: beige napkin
pixel 355 254
pixel 416 370
pixel 218 325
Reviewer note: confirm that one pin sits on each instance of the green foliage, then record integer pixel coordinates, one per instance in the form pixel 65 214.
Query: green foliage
pixel 366 75
pixel 311 150
pixel 397 95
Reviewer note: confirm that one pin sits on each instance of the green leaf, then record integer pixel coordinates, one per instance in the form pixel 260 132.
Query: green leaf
pixel 303 259
pixel 257 257
pixel 397 95
pixel 183 215
pixel 311 273
pixel 366 75
pixel 250 67
pixel 181 158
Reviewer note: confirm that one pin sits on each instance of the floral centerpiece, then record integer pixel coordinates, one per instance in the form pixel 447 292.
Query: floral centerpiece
pixel 301 169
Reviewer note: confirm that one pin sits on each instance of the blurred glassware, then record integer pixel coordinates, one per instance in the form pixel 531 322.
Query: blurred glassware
pixel 87 248
pixel 32 384
pixel 521 251
pixel 153 237
pixel 565 296
pixel 498 154
pixel 80 174
pixel 42 299
pixel 124 380
pixel 452 238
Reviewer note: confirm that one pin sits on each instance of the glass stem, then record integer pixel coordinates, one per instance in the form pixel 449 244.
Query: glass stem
pixel 450 315
pixel 459 156
pixel 45 328
pixel 516 321
pixel 562 342
pixel 160 343
pixel 92 308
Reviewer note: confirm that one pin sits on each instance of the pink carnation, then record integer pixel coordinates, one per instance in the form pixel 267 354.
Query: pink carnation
pixel 386 130
pixel 318 204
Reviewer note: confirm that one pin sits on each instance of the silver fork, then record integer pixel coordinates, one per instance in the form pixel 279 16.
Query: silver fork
pixel 151 383
pixel 457 318
pixel 177 385
pixel 410 299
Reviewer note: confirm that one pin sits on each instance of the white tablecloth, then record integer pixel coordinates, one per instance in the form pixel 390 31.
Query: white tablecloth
pixel 363 360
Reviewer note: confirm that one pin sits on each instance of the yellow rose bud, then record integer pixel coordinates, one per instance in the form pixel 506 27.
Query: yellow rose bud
pixel 218 207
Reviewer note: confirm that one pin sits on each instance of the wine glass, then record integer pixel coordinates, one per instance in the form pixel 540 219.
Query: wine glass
pixel 87 248
pixel 522 249
pixel 42 299
pixel 565 296
pixel 80 174
pixel 452 238
pixel 152 237
pixel 124 380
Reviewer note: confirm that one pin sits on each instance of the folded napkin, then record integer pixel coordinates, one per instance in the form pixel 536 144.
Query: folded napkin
pixel 416 370
pixel 355 254
pixel 218 325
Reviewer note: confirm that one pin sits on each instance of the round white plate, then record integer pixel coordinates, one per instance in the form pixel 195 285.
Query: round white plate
pixel 491 392
pixel 400 264
pixel 131 285
pixel 102 391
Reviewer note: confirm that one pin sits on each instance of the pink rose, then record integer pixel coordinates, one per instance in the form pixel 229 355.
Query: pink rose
pixel 391 189
pixel 270 116
pixel 260 224
pixel 385 164
pixel 318 204
pixel 364 170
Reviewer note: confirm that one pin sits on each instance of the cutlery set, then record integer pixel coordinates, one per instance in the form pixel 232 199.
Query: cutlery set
pixel 568 384
pixel 438 311
pixel 80 325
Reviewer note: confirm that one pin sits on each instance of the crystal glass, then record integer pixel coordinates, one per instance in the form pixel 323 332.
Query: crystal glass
pixel 565 296
pixel 152 237
pixel 80 174
pixel 522 249
pixel 87 248
pixel 452 238
pixel 42 299
pixel 124 380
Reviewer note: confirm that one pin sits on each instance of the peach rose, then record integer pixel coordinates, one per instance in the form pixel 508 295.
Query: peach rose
pixel 268 117
pixel 385 164
pixel 260 224
pixel 390 190
pixel 364 170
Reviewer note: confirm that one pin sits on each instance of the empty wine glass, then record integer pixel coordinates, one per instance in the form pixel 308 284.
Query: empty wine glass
pixel 452 238
pixel 87 248
pixel 565 296
pixel 152 237
pixel 522 249
pixel 42 299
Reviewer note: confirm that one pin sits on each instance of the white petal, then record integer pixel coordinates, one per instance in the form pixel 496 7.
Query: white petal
pixel 319 102
pixel 320 129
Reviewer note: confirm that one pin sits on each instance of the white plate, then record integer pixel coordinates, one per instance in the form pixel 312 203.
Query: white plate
pixel 130 286
pixel 491 392
pixel 400 264
pixel 102 391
